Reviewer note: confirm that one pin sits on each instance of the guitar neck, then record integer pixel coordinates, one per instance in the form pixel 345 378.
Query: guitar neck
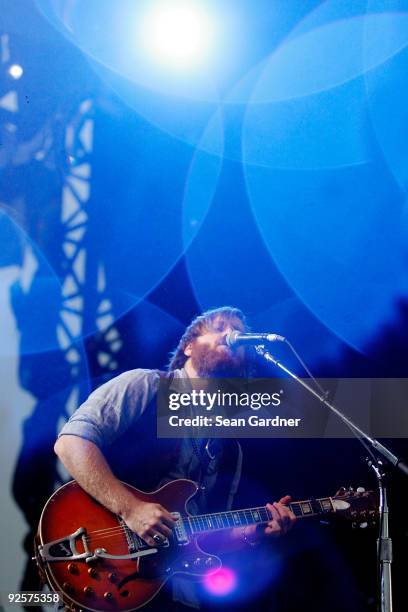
pixel 205 523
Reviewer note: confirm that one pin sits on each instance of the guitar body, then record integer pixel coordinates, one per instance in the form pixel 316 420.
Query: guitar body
pixel 97 563
pixel 73 525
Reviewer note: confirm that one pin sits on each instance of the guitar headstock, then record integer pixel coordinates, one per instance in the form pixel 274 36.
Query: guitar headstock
pixel 359 506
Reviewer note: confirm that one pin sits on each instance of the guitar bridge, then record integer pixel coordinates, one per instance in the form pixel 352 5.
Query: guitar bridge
pixel 65 548
pixel 136 544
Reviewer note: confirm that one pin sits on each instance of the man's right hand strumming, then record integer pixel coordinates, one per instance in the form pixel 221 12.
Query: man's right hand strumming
pixel 88 466
pixel 150 521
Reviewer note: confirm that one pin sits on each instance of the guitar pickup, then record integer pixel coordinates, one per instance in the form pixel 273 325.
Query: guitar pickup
pixel 179 529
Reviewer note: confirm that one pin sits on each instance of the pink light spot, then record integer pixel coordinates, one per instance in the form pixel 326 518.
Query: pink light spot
pixel 220 582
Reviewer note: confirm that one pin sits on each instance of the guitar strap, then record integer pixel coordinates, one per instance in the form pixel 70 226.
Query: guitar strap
pixel 237 476
pixel 201 448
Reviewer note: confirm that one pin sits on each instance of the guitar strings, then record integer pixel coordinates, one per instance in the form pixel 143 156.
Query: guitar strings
pixel 120 530
pixel 184 520
pixel 109 530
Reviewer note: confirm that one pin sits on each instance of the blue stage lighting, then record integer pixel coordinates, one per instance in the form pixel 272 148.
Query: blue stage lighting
pixel 177 34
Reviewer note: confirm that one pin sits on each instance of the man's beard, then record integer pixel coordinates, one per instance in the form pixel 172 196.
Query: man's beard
pixel 210 362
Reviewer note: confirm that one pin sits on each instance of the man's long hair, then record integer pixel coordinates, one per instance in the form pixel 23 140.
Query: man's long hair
pixel 198 326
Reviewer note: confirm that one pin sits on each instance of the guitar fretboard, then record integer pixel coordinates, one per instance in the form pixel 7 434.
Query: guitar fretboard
pixel 253 516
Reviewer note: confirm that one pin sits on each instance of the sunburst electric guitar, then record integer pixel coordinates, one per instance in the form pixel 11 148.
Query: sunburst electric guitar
pixel 97 563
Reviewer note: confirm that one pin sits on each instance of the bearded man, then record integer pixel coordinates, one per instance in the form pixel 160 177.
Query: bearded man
pixel 112 438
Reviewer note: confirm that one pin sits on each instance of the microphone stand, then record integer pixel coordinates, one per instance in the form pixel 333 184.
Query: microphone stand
pixel 384 543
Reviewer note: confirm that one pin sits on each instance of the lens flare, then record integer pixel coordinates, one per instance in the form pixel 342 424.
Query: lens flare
pixel 220 582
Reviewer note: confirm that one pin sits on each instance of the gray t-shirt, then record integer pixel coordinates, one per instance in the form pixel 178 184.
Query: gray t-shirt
pixel 114 406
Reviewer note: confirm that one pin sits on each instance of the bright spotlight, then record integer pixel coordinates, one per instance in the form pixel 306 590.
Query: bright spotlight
pixel 16 71
pixel 177 34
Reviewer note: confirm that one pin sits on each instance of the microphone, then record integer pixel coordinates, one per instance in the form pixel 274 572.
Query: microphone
pixel 236 338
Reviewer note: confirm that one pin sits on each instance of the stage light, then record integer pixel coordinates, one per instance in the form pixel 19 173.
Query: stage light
pixel 177 34
pixel 220 582
pixel 16 71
